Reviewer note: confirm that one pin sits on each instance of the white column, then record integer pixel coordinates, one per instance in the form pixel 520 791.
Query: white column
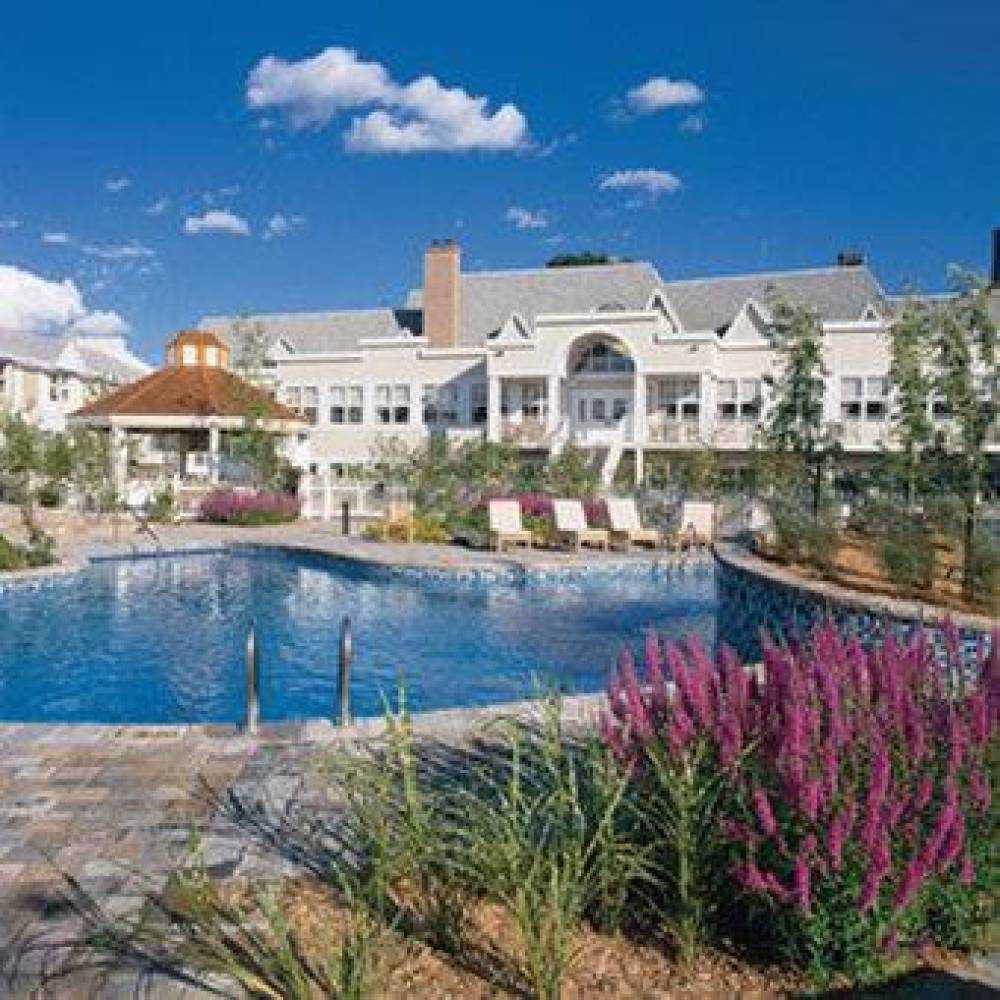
pixel 706 420
pixel 493 408
pixel 553 403
pixel 640 470
pixel 214 448
pixel 119 459
pixel 639 410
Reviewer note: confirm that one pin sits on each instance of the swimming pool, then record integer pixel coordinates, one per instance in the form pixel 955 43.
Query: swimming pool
pixel 161 640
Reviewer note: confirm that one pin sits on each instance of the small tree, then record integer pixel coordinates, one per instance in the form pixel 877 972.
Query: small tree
pixel 796 424
pixel 22 459
pixel 911 339
pixel 571 474
pixel 250 343
pixel 91 472
pixel 964 355
pixel 257 447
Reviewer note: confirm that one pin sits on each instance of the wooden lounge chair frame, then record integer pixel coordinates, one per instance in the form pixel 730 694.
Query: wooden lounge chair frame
pixel 572 529
pixel 505 525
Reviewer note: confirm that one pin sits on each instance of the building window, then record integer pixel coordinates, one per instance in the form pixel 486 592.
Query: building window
pixel 440 405
pixel 3 379
pixel 347 404
pixel 877 398
pixel 603 358
pixel 751 400
pixel 864 398
pixel 678 398
pixel 479 402
pixel 304 399
pixel 524 399
pixel 726 393
pixel 392 404
pixel 59 388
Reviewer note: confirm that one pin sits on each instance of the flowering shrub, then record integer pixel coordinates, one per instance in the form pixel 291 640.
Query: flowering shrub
pixel 856 804
pixel 240 507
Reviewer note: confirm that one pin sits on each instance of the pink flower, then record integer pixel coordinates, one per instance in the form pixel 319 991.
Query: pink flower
pixel 762 807
pixel 801 879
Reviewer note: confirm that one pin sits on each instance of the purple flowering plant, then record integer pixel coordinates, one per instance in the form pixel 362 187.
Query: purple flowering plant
pixel 853 813
pixel 249 507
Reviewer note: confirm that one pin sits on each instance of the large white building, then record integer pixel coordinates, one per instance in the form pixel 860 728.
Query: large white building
pixel 610 358
pixel 45 378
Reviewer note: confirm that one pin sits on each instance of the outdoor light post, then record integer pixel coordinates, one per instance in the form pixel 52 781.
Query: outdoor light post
pixel 344 674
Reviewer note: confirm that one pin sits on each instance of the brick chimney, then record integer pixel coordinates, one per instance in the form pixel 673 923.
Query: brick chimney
pixel 442 269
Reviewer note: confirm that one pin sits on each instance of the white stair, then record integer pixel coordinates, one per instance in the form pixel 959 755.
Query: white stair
pixel 610 464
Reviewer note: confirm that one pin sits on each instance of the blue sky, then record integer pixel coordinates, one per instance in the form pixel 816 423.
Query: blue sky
pixel 771 136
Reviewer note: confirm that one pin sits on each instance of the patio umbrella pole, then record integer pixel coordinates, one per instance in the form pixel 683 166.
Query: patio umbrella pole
pixel 344 673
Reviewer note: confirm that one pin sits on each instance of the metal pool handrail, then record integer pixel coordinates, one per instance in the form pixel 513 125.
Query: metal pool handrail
pixel 253 681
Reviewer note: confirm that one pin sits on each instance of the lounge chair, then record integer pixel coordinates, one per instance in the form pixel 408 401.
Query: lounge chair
pixel 626 528
pixel 572 528
pixel 698 521
pixel 505 525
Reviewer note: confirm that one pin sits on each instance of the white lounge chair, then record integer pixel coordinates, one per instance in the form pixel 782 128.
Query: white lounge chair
pixel 698 521
pixel 572 528
pixel 505 525
pixel 626 528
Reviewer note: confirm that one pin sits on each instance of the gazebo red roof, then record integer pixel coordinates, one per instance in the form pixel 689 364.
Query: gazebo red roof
pixel 194 391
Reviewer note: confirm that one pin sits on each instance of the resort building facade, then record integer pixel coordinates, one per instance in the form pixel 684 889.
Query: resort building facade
pixel 45 378
pixel 609 358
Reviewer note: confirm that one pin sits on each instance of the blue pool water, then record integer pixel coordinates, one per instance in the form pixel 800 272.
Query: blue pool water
pixel 162 640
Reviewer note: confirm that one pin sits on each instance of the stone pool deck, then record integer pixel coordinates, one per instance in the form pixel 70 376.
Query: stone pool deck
pixel 114 807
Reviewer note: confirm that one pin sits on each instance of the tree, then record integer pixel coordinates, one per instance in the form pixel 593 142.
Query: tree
pixel 910 347
pixel 583 259
pixel 964 357
pixel 250 344
pixel 796 425
pixel 91 473
pixel 22 457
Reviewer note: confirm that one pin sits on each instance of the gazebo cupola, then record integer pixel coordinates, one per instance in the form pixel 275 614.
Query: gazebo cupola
pixel 197 349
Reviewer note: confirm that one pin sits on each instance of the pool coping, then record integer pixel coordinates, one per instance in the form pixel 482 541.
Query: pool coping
pixel 739 558
pixel 429 562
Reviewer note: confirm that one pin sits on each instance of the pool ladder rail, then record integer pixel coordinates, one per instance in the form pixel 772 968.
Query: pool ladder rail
pixel 252 714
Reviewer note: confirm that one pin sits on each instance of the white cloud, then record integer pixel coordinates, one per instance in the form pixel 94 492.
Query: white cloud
pixel 420 116
pixel 158 207
pixel 659 92
pixel 281 225
pixel 119 251
pixel 693 123
pixel 100 323
pixel 56 238
pixel 217 221
pixel 30 303
pixel 645 180
pixel 116 184
pixel 525 218
pixel 9 225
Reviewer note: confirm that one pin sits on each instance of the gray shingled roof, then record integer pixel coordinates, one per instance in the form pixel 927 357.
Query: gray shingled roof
pixel 109 366
pixel 321 332
pixel 30 347
pixel 489 297
pixel 838 293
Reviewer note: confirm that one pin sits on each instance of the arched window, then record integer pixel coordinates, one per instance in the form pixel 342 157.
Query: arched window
pixel 601 358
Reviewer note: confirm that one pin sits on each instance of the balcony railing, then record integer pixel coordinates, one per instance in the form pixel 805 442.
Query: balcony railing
pixel 528 430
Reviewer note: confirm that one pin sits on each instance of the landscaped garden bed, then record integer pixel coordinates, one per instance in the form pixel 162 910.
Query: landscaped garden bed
pixel 250 507
pixel 822 821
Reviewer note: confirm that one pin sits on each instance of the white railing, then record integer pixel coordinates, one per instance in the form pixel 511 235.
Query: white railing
pixel 323 498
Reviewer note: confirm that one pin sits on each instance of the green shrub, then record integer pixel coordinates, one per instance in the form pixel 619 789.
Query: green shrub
pixel 986 569
pixel 801 538
pixel 906 549
pixel 164 507
pixel 39 552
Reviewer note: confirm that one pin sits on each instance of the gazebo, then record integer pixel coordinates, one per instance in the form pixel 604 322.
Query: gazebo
pixel 169 428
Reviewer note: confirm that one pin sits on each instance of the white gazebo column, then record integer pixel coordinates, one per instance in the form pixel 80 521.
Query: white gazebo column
pixel 493 408
pixel 214 450
pixel 119 459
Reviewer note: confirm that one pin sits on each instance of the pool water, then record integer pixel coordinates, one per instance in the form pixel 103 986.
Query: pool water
pixel 163 639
